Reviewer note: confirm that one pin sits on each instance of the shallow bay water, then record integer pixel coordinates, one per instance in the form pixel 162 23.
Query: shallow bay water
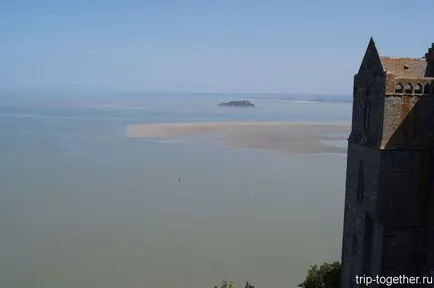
pixel 83 206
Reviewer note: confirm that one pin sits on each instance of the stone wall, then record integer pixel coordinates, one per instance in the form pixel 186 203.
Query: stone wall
pixel 402 203
pixel 392 160
pixel 356 209
pixel 402 177
pixel 369 90
pixel 408 122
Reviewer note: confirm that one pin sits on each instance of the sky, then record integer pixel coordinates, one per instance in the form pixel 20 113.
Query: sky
pixel 225 46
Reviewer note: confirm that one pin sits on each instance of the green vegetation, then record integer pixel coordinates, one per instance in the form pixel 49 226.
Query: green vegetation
pixel 325 276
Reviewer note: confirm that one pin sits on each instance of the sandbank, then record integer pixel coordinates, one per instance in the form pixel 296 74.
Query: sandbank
pixel 279 136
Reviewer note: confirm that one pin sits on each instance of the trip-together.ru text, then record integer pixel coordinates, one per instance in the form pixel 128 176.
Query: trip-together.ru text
pixel 393 280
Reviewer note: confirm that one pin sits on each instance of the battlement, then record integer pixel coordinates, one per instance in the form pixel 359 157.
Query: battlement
pixel 417 86
pixel 409 76
pixel 429 56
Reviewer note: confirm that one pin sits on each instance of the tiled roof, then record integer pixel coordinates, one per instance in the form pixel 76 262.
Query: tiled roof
pixel 405 67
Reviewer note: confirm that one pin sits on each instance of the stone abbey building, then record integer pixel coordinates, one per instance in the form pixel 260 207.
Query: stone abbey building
pixel 389 197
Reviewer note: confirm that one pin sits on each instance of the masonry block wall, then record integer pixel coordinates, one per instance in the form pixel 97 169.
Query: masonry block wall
pixel 389 207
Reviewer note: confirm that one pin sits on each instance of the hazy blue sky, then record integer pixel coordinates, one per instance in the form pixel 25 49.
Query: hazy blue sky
pixel 202 46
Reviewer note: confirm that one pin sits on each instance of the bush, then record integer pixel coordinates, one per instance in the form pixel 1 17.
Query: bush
pixel 325 276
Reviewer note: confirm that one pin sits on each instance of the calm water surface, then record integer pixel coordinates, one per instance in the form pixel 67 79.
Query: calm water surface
pixel 83 206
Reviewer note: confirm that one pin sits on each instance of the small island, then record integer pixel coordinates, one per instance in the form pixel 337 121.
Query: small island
pixel 242 103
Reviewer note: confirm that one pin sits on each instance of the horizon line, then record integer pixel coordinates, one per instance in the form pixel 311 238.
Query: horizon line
pixel 172 93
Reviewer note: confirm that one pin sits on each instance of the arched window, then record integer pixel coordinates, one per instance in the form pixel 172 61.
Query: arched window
pixel 408 89
pixel 366 110
pixel 367 115
pixel 399 88
pixel 418 89
pixel 361 182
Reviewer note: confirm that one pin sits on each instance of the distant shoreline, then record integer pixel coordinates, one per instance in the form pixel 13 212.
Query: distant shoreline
pixel 293 137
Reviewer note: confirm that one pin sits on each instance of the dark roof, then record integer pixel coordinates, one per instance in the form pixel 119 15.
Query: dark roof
pixel 405 67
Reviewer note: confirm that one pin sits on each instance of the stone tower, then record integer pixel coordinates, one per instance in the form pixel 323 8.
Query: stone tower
pixel 389 208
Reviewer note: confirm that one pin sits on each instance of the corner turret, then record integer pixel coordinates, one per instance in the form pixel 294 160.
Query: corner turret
pixel 430 55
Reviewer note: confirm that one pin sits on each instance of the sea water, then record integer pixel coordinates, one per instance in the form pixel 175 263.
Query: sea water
pixel 81 205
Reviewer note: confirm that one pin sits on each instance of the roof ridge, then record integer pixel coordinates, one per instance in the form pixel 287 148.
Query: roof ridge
pixel 409 58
